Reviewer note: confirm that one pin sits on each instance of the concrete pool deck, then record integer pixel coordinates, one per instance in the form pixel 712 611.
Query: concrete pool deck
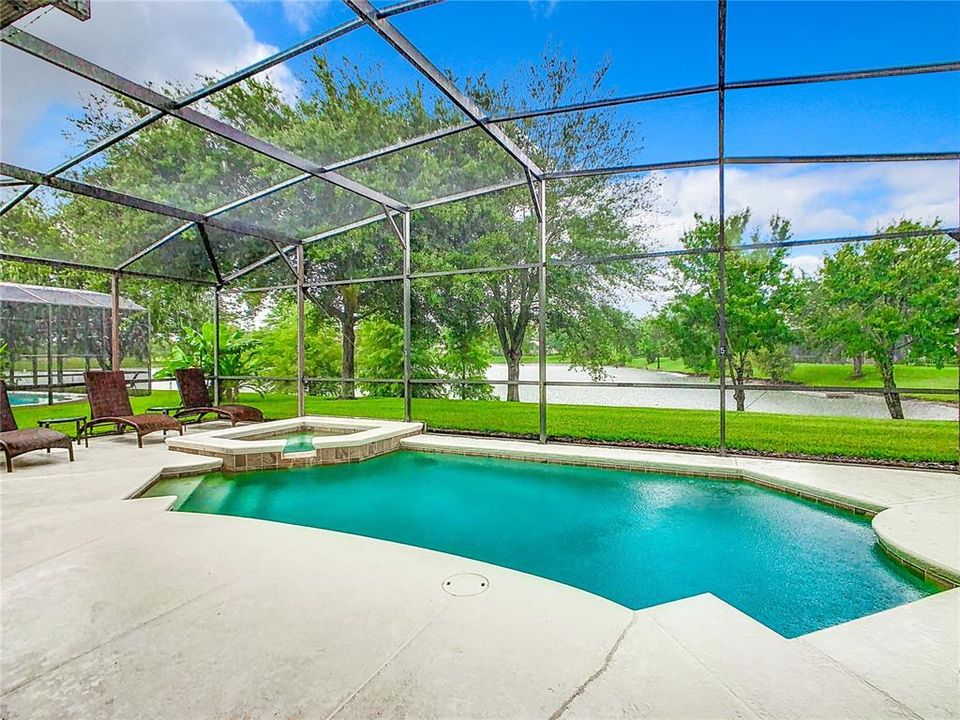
pixel 114 608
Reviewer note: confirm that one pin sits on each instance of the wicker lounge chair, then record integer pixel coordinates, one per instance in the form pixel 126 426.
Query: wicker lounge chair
pixel 196 400
pixel 14 441
pixel 110 405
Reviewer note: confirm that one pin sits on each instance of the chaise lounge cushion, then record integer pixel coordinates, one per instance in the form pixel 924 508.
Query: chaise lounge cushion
pixel 18 442
pixel 152 422
pixel 196 399
pixel 241 413
pixel 109 403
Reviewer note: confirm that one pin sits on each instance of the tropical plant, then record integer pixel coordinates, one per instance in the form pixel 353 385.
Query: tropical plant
pixel 238 356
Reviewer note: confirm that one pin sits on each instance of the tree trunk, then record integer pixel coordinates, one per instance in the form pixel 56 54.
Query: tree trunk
pixel 858 366
pixel 229 389
pixel 658 362
pixel 513 375
pixel 739 393
pixel 890 394
pixel 348 329
pixel 511 327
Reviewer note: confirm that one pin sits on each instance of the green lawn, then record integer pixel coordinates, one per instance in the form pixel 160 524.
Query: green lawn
pixel 533 359
pixel 666 364
pixel 906 440
pixel 821 374
pixel 906 375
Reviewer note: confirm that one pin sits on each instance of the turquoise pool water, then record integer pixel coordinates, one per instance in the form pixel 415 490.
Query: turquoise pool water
pixel 295 440
pixel 637 539
pixel 299 442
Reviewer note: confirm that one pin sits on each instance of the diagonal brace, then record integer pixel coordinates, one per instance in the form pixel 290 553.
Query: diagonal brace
pixel 105 78
pixel 383 27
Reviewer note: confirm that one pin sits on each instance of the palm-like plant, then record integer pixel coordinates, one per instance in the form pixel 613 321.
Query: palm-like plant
pixel 237 356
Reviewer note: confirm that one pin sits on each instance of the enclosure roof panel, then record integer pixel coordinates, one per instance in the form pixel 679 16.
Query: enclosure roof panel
pixel 39 295
pixel 188 162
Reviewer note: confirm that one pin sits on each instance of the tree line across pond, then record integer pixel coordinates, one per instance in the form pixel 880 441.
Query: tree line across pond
pixel 885 300
pixel 889 301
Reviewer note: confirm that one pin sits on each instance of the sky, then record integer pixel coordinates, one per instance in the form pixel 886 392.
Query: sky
pixel 649 46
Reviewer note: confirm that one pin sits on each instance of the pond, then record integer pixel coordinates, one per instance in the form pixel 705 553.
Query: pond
pixel 790 402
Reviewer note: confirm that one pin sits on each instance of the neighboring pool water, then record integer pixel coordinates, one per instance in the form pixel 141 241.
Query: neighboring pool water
pixel 19 397
pixel 638 539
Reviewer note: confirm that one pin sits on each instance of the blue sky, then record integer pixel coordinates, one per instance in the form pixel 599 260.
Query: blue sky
pixel 650 45
pixel 659 45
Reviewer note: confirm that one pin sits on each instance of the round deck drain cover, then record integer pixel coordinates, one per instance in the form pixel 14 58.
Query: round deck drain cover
pixel 464 584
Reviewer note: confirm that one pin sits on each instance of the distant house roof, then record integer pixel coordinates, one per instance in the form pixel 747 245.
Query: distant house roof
pixel 40 295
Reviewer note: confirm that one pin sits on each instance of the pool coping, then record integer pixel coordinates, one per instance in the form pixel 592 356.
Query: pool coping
pixel 899 539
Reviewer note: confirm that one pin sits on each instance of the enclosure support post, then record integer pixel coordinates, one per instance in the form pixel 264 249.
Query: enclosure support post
pixel 149 356
pixel 722 348
pixel 49 355
pixel 115 322
pixel 542 314
pixel 216 345
pixel 407 386
pixel 301 351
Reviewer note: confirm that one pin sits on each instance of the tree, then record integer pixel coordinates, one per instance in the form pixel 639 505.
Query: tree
pixel 381 356
pixel 607 336
pixel 587 218
pixel 892 298
pixel 449 313
pixel 343 111
pixel 653 342
pixel 277 345
pixel 762 299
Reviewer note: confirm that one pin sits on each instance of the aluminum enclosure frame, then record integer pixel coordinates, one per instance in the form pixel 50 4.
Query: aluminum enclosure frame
pixel 284 247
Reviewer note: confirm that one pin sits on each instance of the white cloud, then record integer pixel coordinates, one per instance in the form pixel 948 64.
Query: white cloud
pixel 302 13
pixel 148 41
pixel 806 264
pixel 820 201
pixel 542 8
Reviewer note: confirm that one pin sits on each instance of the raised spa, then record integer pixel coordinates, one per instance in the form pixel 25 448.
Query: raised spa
pixel 638 539
pixel 297 442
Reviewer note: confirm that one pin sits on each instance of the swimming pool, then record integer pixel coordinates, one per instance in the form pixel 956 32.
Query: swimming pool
pixel 638 539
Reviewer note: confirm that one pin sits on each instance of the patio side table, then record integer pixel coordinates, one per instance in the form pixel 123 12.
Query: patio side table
pixel 77 420
pixel 165 409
